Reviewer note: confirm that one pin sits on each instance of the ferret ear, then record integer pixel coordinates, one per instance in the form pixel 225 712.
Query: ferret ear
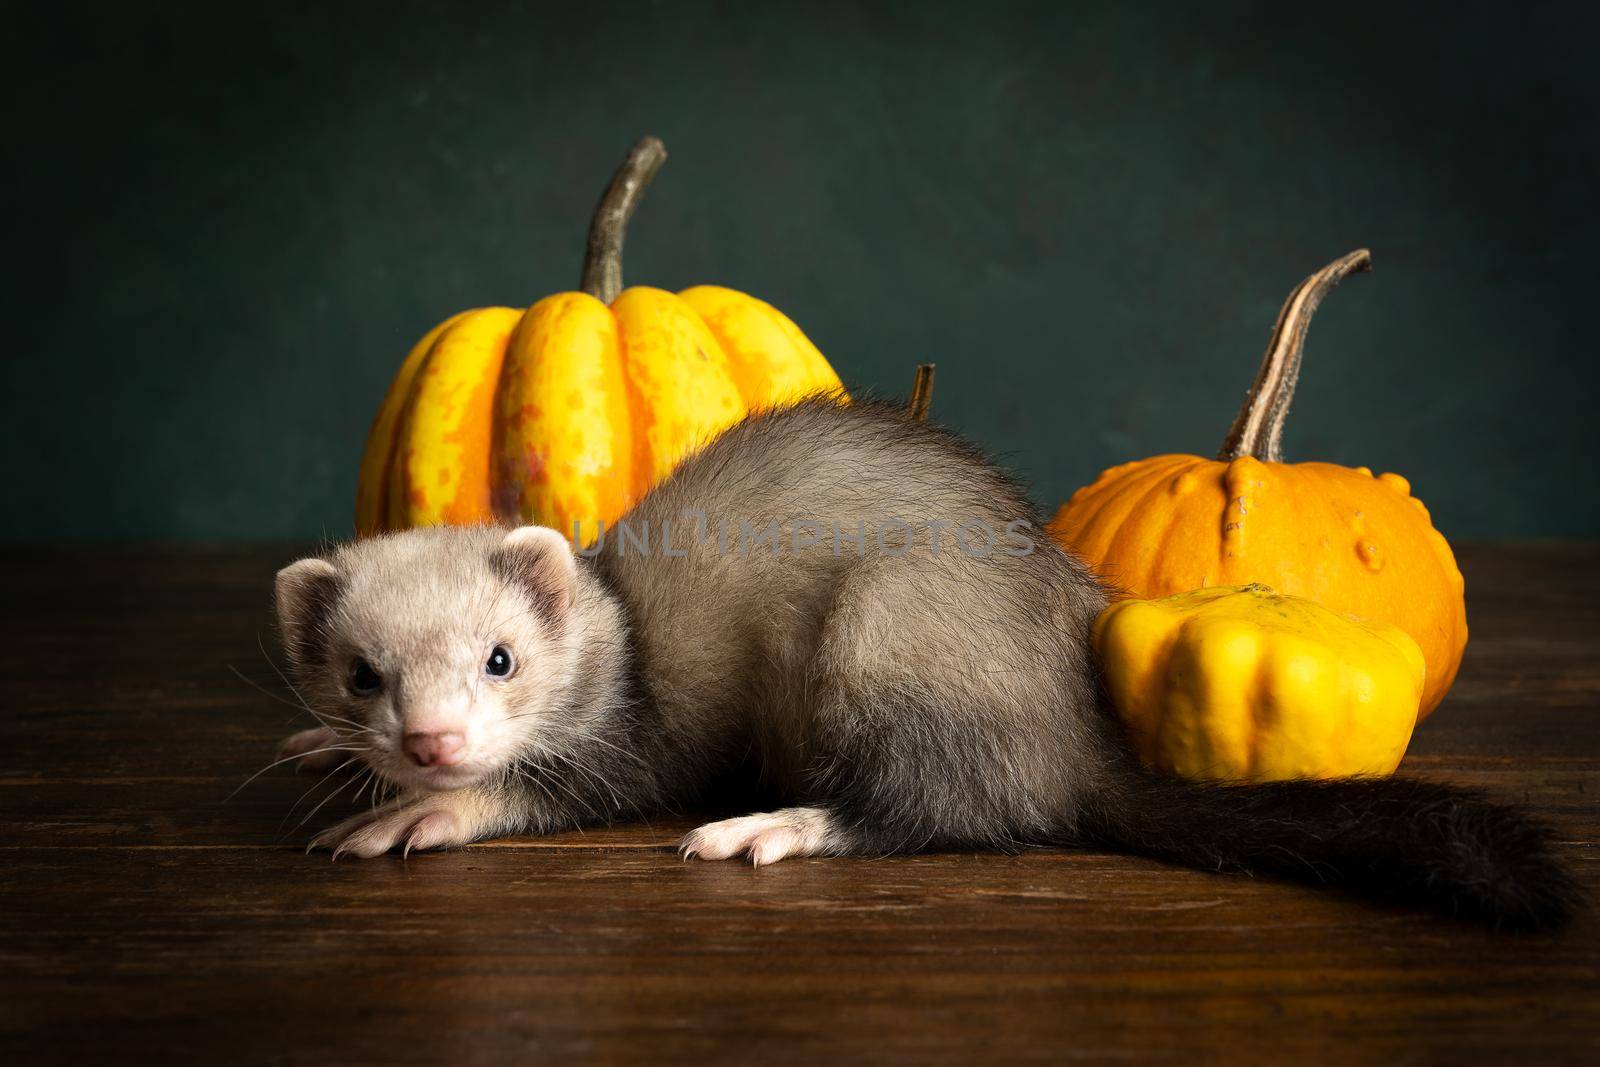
pixel 306 594
pixel 541 561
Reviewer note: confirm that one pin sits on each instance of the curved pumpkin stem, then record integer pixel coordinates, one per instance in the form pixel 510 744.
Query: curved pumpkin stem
pixel 1258 428
pixel 602 260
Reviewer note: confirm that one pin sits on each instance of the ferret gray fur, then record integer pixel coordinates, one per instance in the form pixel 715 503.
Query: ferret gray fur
pixel 904 692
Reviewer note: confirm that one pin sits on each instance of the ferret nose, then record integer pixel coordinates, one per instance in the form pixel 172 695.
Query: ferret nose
pixel 434 750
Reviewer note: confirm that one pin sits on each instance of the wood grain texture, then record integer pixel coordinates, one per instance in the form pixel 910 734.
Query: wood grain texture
pixel 143 918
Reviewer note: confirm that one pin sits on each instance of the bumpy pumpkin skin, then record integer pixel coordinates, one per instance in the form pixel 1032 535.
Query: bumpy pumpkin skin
pixel 1358 544
pixel 1252 686
pixel 566 413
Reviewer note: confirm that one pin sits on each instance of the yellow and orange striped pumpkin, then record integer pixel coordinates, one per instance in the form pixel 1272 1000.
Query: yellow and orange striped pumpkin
pixel 565 413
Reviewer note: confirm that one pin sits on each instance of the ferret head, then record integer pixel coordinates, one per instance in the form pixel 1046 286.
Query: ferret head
pixel 443 653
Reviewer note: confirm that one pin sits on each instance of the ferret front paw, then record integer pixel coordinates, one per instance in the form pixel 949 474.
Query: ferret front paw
pixel 318 749
pixel 765 838
pixel 433 822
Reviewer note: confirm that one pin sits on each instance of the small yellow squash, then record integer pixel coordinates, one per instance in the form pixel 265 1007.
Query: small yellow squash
pixel 1246 684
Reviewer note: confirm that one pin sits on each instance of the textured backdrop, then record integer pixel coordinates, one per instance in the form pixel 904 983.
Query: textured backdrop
pixel 228 227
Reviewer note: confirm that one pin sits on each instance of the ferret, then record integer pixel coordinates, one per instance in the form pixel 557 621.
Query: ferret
pixel 860 611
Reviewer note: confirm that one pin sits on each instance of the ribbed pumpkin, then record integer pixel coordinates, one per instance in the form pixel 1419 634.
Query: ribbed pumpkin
pixel 565 413
pixel 1358 544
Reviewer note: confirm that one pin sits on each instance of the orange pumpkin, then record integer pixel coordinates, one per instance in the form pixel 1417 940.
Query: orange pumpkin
pixel 1359 544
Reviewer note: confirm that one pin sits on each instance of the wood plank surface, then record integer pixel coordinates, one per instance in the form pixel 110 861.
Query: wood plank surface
pixel 144 917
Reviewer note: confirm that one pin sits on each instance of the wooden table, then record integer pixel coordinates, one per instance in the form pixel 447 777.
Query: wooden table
pixel 142 917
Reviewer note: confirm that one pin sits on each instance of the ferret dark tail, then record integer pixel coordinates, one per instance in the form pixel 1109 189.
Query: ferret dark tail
pixel 1396 839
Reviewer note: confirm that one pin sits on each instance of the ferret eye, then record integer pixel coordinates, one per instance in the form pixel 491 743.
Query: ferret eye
pixel 500 662
pixel 364 680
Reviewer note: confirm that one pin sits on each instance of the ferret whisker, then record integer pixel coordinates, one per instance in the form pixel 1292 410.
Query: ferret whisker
pixel 577 799
pixel 264 691
pixel 299 705
pixel 500 591
pixel 384 790
pixel 340 789
pixel 318 784
pixel 370 778
pixel 377 788
pixel 595 739
pixel 555 780
pixel 299 701
pixel 500 625
pixel 588 771
pixel 540 785
pixel 356 727
pixel 286 759
pixel 282 677
pixel 584 735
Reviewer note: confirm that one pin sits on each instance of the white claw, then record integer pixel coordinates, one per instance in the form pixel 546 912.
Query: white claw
pixel 764 839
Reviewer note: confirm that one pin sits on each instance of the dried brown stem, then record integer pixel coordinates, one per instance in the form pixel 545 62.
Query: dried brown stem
pixel 602 260
pixel 922 392
pixel 1257 429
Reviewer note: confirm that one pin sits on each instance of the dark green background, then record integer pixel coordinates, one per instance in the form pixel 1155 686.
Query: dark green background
pixel 229 223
